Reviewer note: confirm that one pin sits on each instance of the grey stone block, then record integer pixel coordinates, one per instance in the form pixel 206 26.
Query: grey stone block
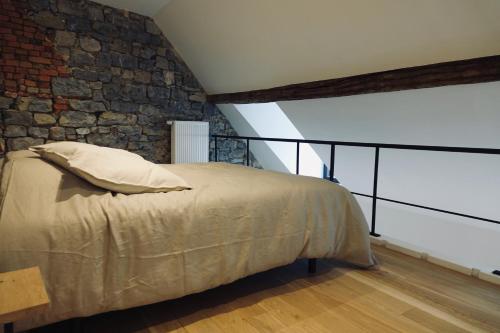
pixel 77 119
pixel 39 5
pixel 158 79
pixel 155 131
pixel 39 132
pixel 150 110
pixel 65 38
pixel 124 107
pixel 135 92
pixel 40 105
pixel 14 131
pixel 198 97
pixel 118 20
pixel 105 30
pixel 132 132
pixel 119 45
pixel 103 60
pixel 103 129
pixel 70 87
pixel 142 76
pixel 123 60
pixel 23 143
pixel 44 119
pixel 82 131
pixel 95 85
pixel 90 44
pixel 78 24
pixel 13 117
pixel 140 146
pixel 158 94
pixel 49 20
pixel 147 65
pixel 162 62
pixel 108 140
pixel 85 74
pixel 5 102
pixel 57 133
pixel 127 75
pixel 169 78
pixel 72 7
pixel 115 118
pixel 96 13
pixel 87 106
pixel 147 53
pixel 81 58
pixel 152 28
pixel 112 91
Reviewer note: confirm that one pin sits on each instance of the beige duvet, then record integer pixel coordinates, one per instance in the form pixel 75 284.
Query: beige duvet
pixel 100 251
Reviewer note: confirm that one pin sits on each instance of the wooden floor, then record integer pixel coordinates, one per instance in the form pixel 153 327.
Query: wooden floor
pixel 404 295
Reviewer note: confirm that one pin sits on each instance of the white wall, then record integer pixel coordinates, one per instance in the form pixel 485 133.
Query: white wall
pixel 261 151
pixel 467 115
pixel 268 120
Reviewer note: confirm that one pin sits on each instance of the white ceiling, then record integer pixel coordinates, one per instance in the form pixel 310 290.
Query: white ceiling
pixel 237 45
pixel 144 7
pixel 234 45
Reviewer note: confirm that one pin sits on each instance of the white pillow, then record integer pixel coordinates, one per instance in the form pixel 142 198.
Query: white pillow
pixel 112 169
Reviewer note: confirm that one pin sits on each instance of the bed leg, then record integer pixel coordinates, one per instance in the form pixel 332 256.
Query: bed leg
pixel 77 325
pixel 311 266
pixel 8 328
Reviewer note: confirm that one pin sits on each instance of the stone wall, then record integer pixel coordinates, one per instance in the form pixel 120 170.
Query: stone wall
pixel 77 70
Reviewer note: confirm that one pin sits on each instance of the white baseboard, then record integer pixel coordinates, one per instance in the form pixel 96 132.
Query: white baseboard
pixel 474 272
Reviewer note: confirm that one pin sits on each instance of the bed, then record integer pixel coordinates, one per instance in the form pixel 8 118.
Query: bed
pixel 100 251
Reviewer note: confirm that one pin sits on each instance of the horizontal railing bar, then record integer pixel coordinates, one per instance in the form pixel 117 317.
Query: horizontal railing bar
pixel 363 195
pixel 429 208
pixel 494 151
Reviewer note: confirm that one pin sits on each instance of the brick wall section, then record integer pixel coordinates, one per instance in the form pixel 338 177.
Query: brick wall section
pixel 77 70
pixel 28 60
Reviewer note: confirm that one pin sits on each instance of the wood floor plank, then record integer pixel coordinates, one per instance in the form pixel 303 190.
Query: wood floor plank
pixel 363 320
pixel 428 275
pixel 437 325
pixel 404 295
pixel 390 312
pixel 333 322
pixel 310 325
pixel 266 323
pixel 468 299
pixel 417 303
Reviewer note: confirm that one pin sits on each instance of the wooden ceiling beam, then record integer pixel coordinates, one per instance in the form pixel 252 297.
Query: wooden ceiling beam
pixel 477 70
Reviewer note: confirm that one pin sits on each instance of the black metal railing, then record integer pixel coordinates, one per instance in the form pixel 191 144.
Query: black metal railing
pixel 377 147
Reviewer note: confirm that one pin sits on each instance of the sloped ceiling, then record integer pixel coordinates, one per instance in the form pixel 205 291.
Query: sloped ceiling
pixel 234 45
pixel 237 45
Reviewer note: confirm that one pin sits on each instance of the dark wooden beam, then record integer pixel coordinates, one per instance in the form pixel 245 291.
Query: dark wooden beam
pixel 475 70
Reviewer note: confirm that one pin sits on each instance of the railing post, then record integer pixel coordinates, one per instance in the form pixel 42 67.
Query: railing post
pixel 248 152
pixel 297 164
pixel 216 157
pixel 332 161
pixel 311 266
pixel 374 200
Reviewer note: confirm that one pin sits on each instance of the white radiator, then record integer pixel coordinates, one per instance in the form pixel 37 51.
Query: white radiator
pixel 190 142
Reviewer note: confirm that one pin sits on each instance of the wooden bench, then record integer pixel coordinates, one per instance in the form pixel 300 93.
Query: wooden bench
pixel 22 294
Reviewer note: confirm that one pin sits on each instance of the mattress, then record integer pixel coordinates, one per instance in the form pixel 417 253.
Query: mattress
pixel 100 251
